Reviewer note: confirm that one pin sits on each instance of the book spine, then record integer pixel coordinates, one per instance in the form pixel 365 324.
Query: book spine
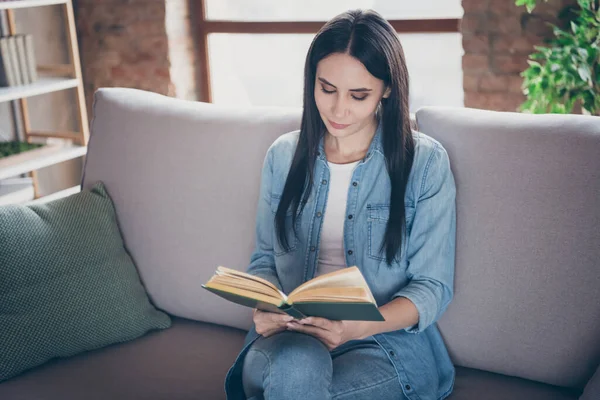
pixel 8 77
pixel 12 47
pixel 22 56
pixel 292 311
pixel 31 61
pixel 3 23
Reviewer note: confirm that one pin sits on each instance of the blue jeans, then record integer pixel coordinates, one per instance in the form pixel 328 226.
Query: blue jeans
pixel 294 365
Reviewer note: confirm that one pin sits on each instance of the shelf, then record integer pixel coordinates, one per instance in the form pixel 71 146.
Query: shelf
pixel 7 5
pixel 56 195
pixel 16 192
pixel 38 158
pixel 42 86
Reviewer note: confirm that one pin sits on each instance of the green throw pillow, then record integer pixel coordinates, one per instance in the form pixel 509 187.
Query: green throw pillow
pixel 67 283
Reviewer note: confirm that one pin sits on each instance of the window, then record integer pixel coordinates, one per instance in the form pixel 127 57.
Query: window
pixel 323 10
pixel 256 49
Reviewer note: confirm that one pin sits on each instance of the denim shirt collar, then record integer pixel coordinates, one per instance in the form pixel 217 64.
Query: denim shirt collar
pixel 376 144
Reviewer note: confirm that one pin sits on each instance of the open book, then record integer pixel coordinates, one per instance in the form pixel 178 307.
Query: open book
pixel 339 295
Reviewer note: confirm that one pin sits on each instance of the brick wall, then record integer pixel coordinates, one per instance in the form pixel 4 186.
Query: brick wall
pixel 498 38
pixel 136 44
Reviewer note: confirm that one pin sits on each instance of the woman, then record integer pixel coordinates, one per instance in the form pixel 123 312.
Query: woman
pixel 355 186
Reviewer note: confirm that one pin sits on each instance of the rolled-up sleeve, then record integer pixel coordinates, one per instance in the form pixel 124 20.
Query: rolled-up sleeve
pixel 432 242
pixel 262 260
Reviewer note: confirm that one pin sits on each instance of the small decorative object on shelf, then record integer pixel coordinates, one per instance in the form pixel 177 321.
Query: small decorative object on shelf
pixel 14 147
pixel 18 81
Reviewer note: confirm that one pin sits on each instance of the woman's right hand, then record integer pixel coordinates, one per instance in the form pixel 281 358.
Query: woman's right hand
pixel 268 323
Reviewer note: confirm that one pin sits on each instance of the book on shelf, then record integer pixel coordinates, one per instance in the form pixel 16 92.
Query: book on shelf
pixel 14 59
pixel 7 77
pixel 17 60
pixel 22 57
pixel 31 60
pixel 338 295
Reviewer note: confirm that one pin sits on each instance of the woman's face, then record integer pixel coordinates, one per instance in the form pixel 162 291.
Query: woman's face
pixel 346 94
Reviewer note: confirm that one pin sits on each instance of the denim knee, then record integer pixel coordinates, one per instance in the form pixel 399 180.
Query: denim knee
pixel 289 357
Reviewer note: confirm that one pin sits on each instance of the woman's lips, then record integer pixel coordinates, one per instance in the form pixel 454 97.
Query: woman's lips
pixel 338 126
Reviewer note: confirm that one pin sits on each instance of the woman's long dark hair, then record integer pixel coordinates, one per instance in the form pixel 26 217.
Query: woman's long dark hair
pixel 368 37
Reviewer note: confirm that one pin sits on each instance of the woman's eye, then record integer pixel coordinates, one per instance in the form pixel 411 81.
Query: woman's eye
pixel 359 98
pixel 326 91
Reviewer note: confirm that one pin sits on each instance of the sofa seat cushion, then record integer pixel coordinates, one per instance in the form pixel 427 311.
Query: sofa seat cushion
pixel 473 384
pixel 187 361
pixel 190 361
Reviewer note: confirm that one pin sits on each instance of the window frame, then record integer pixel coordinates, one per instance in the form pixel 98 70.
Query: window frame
pixel 205 27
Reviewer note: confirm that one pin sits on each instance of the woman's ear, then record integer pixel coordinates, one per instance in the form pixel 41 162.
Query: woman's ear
pixel 387 93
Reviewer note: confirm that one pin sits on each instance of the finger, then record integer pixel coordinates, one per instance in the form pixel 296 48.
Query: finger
pixel 275 317
pixel 274 331
pixel 311 330
pixel 271 318
pixel 321 334
pixel 322 323
pixel 329 338
pixel 281 317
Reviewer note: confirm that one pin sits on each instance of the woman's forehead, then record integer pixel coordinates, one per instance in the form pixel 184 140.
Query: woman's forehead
pixel 345 72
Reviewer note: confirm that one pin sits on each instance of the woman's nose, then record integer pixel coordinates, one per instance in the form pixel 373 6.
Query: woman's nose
pixel 340 109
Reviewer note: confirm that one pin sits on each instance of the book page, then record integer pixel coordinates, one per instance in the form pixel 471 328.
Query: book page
pixel 223 271
pixel 245 284
pixel 342 295
pixel 350 277
pixel 225 289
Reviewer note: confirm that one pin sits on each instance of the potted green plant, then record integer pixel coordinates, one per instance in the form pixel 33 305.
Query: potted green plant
pixel 9 148
pixel 565 74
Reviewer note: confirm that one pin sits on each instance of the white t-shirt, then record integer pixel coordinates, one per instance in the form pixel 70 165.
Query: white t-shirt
pixel 331 251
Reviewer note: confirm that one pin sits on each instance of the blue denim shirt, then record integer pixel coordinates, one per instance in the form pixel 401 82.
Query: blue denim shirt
pixel 423 272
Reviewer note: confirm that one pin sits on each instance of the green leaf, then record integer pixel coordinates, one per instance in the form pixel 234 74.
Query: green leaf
pixel 573 27
pixel 530 4
pixel 583 53
pixel 585 74
pixel 567 67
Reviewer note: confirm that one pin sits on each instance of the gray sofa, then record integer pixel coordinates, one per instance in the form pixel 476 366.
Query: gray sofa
pixel 184 176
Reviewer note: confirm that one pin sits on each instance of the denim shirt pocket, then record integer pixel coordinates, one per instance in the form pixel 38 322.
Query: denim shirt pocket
pixel 378 216
pixel 278 249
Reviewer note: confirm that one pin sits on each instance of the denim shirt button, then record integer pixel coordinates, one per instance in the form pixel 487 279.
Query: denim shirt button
pixel 407 387
pixel 392 353
pixel 350 216
pixel 319 214
pixel 324 182
pixel 312 248
pixel 350 252
pixel 355 184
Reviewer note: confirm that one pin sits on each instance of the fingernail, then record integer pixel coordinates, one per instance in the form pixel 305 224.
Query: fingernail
pixel 289 318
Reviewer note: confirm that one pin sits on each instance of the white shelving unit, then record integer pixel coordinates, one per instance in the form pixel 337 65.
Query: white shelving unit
pixel 42 86
pixel 52 79
pixel 16 191
pixel 38 158
pixel 11 5
pixel 55 196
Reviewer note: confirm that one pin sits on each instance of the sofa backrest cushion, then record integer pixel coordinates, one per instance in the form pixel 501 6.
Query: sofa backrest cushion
pixel 527 287
pixel 184 177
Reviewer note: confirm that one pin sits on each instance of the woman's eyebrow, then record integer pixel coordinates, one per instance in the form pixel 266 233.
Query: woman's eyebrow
pixel 352 90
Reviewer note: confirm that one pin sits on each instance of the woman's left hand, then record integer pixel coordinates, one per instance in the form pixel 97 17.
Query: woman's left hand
pixel 331 333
